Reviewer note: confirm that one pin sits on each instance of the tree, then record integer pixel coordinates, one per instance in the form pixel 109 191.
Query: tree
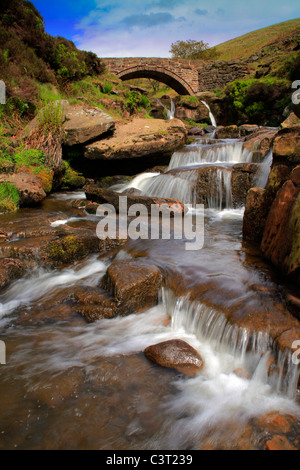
pixel 192 49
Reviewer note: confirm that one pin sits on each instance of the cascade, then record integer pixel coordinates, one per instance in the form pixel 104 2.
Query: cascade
pixel 211 116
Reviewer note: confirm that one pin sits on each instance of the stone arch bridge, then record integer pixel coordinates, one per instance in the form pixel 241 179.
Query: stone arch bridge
pixel 184 76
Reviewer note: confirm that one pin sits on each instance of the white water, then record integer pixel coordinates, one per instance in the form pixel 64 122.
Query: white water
pixel 211 116
pixel 138 182
pixel 42 282
pixel 170 112
pixel 214 398
pixel 225 152
pixel 262 175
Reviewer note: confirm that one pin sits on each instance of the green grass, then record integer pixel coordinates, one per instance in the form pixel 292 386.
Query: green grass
pixel 9 198
pixel 250 43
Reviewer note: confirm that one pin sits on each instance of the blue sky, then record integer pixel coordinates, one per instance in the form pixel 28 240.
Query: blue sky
pixel 147 28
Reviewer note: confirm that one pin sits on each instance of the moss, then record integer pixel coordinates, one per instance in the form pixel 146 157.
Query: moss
pixel 294 229
pixel 73 179
pixel 46 176
pixel 190 101
pixel 67 250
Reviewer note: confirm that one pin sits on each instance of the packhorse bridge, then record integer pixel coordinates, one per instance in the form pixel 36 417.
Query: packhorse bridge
pixel 184 76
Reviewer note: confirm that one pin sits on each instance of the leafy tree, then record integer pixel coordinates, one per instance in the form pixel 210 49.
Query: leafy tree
pixel 192 49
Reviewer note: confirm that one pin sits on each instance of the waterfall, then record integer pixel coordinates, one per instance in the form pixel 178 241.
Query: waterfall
pixel 223 183
pixel 231 152
pixel 211 116
pixel 170 112
pixel 180 186
pixel 264 171
pixel 252 349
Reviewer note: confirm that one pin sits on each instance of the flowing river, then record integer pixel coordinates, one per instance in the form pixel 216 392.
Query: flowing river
pixel 72 385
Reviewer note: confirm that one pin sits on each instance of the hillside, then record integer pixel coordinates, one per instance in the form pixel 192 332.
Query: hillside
pixel 244 46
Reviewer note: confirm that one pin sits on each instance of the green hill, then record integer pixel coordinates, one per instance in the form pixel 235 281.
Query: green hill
pixel 244 46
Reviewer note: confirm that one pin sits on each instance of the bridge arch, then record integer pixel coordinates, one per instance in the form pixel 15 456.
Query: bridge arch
pixel 160 74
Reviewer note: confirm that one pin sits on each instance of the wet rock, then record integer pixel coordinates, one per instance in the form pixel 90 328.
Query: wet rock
pixel 260 141
pixel 89 206
pixel 208 129
pixel 279 443
pixel 242 373
pixel 30 187
pixel 256 211
pixel 106 196
pixel 287 144
pixel 228 132
pixel 247 129
pixel 176 354
pixel 133 284
pixel 196 131
pixel 274 423
pixel 140 138
pixel 10 269
pixel 94 304
pixel 289 340
pixel 242 179
pixel 276 243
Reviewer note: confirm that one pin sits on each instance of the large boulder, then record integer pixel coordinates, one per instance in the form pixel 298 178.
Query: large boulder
pixel 176 354
pixel 256 211
pixel 140 138
pixel 81 123
pixel 30 187
pixel 287 145
pixel 85 123
pixel 228 132
pixel 278 239
pixel 133 284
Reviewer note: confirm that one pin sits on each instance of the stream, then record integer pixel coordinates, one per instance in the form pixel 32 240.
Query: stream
pixel 72 385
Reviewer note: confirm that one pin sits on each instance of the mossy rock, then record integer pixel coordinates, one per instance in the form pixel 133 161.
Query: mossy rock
pixel 67 250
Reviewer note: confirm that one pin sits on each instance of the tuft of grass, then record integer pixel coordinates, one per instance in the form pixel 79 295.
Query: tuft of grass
pixel 9 198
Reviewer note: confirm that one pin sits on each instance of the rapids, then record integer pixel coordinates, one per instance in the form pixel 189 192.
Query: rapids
pixel 72 385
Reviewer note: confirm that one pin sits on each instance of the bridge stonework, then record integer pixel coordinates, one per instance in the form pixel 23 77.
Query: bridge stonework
pixel 185 77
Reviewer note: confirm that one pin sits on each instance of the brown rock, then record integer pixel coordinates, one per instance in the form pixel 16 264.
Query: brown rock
pixel 30 187
pixel 279 443
pixel 287 144
pixel 176 354
pixel 94 304
pixel 140 138
pixel 242 179
pixel 247 129
pixel 295 175
pixel 134 284
pixel 228 132
pixel 85 123
pixel 275 244
pixel 291 120
pixel 256 211
pixel 10 269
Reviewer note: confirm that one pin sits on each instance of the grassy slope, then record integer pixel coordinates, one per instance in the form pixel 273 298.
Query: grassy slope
pixel 248 44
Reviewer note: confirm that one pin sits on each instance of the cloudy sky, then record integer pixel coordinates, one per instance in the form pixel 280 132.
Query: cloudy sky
pixel 147 28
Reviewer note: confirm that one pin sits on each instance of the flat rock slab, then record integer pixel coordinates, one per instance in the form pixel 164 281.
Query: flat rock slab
pixel 140 138
pixel 133 284
pixel 177 354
